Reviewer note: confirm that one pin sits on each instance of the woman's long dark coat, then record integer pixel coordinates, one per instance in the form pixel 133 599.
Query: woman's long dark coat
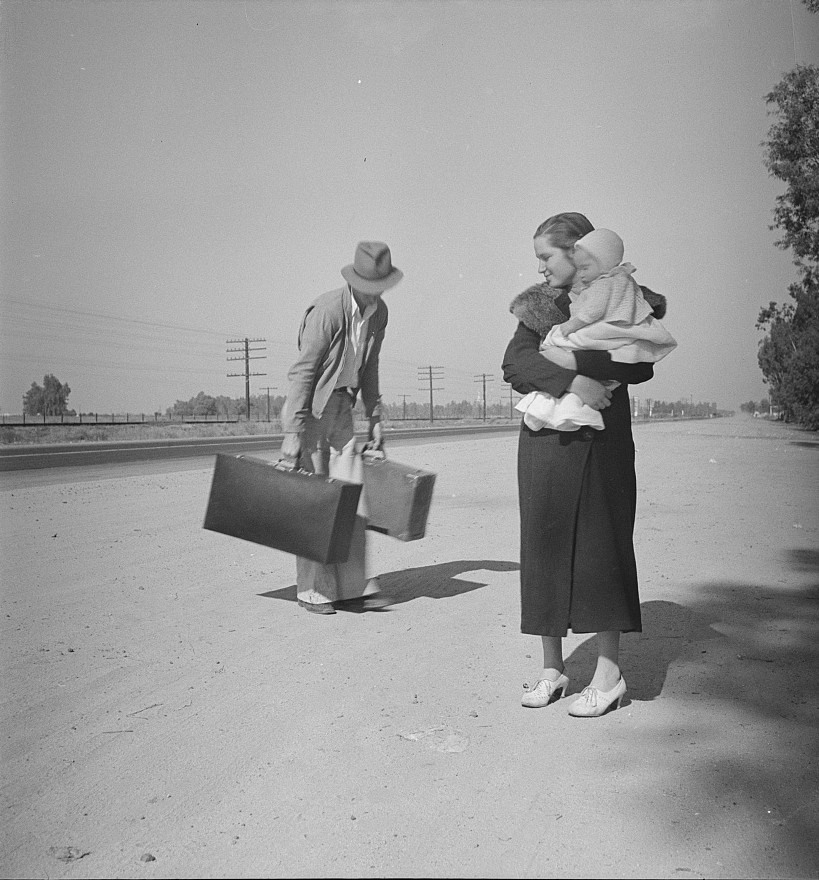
pixel 577 489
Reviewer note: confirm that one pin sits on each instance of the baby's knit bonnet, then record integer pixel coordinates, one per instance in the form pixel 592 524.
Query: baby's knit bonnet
pixel 605 246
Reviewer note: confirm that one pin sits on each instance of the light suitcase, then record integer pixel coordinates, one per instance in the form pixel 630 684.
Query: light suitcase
pixel 290 510
pixel 397 498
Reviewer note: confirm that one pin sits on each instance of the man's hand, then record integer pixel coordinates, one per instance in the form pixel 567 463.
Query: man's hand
pixel 591 392
pixel 291 448
pixel 375 443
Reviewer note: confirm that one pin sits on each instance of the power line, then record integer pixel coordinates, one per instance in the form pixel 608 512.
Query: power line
pixel 48 307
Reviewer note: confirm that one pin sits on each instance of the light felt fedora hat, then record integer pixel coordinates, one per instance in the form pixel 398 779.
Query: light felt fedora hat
pixel 372 270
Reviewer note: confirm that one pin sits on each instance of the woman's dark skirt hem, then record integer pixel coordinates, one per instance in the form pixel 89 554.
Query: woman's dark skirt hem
pixel 578 497
pixel 582 632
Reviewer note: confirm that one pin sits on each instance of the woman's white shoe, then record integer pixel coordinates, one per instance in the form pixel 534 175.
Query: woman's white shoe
pixel 545 692
pixel 593 702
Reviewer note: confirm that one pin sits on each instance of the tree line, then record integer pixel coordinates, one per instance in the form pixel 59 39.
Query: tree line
pixel 789 351
pixel 664 408
pixel 261 408
pixel 763 407
pixel 51 399
pixel 228 408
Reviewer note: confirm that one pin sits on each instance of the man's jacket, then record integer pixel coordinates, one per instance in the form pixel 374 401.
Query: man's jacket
pixel 323 339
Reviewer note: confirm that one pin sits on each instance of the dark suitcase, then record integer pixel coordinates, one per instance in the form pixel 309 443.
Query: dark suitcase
pixel 396 498
pixel 290 510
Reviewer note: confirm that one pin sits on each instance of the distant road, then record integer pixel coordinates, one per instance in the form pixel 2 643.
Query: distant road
pixel 14 457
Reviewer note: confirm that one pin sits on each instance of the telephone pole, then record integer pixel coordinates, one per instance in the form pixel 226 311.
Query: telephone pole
pixel 483 378
pixel 511 407
pixel 432 373
pixel 247 358
pixel 268 389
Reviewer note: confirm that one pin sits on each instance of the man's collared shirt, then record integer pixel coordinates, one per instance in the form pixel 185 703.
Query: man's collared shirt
pixel 354 350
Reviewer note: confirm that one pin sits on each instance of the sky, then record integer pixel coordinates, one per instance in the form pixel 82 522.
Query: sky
pixel 180 174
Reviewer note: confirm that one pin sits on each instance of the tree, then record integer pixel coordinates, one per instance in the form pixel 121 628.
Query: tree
pixel 48 399
pixel 201 406
pixel 792 155
pixel 789 353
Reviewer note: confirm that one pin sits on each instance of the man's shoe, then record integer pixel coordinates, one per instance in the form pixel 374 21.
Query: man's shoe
pixel 375 601
pixel 371 602
pixel 317 608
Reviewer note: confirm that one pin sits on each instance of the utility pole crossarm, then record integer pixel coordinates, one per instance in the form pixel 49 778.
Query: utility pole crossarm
pixel 247 358
pixel 484 378
pixel 431 373
pixel 511 403
pixel 268 389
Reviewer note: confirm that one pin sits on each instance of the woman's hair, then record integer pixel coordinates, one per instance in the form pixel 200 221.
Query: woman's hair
pixel 564 229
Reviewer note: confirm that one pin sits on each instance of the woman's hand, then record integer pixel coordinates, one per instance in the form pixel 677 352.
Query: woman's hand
pixel 591 392
pixel 559 356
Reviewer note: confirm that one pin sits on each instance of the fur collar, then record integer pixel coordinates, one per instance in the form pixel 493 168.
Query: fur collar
pixel 537 308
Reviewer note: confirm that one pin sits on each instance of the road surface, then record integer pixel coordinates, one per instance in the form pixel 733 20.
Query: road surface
pixel 169 711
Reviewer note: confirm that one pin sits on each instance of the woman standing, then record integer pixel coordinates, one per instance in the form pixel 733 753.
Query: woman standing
pixel 577 489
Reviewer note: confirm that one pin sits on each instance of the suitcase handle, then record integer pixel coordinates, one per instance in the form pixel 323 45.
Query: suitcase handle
pixel 281 464
pixel 284 465
pixel 373 456
pixel 290 468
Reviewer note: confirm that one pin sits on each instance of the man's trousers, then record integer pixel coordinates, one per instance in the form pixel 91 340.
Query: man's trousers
pixel 329 447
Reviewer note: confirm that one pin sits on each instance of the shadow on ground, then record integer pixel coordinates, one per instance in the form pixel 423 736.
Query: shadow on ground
pixel 743 656
pixel 440 581
pixel 668 630
pixel 767 630
pixel 748 655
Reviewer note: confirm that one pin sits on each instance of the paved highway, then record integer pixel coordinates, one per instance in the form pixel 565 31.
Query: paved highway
pixel 19 457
